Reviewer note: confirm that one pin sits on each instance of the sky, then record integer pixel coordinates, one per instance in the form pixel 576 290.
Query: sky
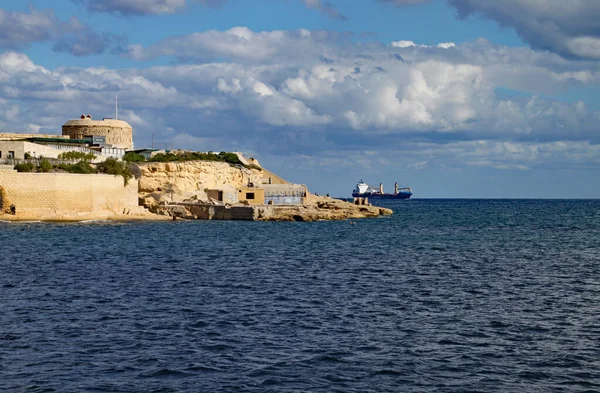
pixel 454 98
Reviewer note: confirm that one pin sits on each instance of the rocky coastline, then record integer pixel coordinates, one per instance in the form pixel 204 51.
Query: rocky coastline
pixel 185 190
pixel 316 209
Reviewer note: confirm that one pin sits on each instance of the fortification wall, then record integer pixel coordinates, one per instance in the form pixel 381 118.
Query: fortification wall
pixel 64 193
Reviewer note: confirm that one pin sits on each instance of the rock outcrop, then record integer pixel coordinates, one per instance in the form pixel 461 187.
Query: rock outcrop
pixel 318 209
pixel 181 181
pixel 177 189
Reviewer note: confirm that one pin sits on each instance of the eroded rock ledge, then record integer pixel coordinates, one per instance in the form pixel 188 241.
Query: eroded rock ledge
pixel 317 208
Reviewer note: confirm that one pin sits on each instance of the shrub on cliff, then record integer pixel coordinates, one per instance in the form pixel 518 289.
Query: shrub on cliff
pixel 168 157
pixel 131 156
pixel 82 167
pixel 45 166
pixel 230 158
pixel 117 168
pixel 25 167
pixel 77 155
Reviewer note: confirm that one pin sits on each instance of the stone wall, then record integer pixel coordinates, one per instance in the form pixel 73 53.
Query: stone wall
pixel 257 195
pixel 63 193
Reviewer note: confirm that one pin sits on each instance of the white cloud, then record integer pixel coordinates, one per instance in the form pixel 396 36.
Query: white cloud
pixel 305 92
pixel 237 43
pixel 569 28
pixel 410 44
pixel 403 44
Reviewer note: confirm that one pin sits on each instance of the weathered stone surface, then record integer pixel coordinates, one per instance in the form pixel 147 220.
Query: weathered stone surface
pixel 180 181
pixel 183 183
pixel 320 208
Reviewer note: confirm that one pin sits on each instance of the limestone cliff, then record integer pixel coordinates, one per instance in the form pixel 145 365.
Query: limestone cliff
pixel 178 181
pixel 177 189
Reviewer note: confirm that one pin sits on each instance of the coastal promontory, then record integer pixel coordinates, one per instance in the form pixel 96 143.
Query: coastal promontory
pixel 77 186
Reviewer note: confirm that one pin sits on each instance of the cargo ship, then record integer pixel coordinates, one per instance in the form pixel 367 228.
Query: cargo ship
pixel 363 190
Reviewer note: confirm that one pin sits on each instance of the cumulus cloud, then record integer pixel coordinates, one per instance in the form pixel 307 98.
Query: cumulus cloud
pixel 409 44
pixel 568 28
pixel 237 43
pixel 310 93
pixel 325 8
pixel 18 30
pixel 156 7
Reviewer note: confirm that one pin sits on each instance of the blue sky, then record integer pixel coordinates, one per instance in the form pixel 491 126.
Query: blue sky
pixel 455 98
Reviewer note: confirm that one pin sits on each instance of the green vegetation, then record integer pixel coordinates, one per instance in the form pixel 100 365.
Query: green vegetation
pixel 110 167
pixel 82 167
pixel 118 168
pixel 76 155
pixel 45 166
pixel 131 156
pixel 253 166
pixel 25 167
pixel 230 158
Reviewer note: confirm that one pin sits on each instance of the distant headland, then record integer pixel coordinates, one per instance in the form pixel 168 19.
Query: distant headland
pixel 93 172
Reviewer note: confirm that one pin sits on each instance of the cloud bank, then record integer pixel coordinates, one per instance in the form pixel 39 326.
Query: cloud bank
pixel 134 7
pixel 569 28
pixel 310 93
pixel 19 30
pixel 156 7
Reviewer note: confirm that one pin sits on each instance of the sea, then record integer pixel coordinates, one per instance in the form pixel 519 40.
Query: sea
pixel 443 296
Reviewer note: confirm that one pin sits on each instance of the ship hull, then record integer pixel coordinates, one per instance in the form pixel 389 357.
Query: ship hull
pixel 371 195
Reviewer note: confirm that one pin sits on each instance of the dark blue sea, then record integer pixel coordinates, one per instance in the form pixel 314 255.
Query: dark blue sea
pixel 443 296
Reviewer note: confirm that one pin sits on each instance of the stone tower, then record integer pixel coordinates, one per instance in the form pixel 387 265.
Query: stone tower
pixel 117 132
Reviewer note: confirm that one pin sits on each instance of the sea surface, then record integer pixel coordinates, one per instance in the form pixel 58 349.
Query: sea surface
pixel 443 296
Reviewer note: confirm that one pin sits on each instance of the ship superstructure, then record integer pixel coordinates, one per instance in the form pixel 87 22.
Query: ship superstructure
pixel 363 190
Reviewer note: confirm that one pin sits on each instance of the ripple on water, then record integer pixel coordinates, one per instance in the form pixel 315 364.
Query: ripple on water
pixel 446 296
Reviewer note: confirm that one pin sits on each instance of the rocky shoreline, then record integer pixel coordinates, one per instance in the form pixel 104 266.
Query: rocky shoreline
pixel 316 209
pixel 200 190
pixel 138 215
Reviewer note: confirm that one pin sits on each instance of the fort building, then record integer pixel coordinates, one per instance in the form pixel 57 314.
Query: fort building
pixel 117 133
pixel 103 138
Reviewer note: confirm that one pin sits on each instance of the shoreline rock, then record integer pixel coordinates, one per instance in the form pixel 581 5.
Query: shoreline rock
pixel 317 209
